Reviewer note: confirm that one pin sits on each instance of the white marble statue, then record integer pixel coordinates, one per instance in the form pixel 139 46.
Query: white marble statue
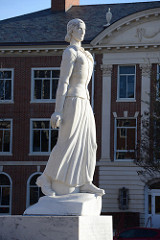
pixel 71 165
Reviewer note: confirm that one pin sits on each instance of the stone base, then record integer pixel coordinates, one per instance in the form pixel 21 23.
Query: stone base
pixel 56 228
pixel 77 204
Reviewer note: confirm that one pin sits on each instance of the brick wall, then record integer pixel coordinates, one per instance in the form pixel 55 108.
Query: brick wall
pixel 22 110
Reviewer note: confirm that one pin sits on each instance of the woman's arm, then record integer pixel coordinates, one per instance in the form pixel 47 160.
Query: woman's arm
pixel 67 64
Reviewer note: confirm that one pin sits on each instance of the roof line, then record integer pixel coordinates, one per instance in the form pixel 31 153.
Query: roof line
pixel 109 4
pixel 24 15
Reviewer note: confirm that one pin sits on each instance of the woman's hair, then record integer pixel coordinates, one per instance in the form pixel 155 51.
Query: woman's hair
pixel 70 26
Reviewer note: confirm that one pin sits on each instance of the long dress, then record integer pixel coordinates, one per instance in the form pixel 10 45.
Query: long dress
pixel 72 160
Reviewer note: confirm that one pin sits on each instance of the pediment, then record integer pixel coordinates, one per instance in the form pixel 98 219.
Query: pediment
pixel 138 29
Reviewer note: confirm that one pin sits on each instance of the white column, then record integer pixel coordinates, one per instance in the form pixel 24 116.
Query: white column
pixel 145 94
pixel 106 111
pixel 145 88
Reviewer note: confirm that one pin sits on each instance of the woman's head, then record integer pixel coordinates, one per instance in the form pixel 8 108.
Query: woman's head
pixel 75 28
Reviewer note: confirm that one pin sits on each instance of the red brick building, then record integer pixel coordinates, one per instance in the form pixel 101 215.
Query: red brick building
pixel 126 51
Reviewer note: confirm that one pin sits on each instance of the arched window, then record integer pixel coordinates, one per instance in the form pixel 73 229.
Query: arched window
pixel 33 191
pixel 5 194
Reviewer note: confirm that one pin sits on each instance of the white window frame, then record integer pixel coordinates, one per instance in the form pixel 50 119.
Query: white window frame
pixel 158 84
pixel 31 137
pixel 118 85
pixel 28 188
pixel 12 86
pixel 11 135
pixel 115 138
pixel 33 100
pixel 10 200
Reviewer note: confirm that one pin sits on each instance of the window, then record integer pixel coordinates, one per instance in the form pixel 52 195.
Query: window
pixel 149 204
pixel 33 191
pixel 43 137
pixel 44 84
pixel 125 138
pixel 5 194
pixel 6 85
pixel 5 136
pixel 126 82
pixel 123 198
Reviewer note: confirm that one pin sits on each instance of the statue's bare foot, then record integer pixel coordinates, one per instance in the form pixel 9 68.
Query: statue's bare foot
pixel 91 188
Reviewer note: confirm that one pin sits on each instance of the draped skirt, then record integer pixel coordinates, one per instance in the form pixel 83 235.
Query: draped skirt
pixel 73 159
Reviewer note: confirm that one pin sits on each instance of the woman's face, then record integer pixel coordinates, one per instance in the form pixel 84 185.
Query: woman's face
pixel 79 32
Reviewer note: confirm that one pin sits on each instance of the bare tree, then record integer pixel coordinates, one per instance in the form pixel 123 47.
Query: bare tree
pixel 148 148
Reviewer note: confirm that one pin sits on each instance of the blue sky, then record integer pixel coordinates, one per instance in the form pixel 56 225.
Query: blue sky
pixel 11 8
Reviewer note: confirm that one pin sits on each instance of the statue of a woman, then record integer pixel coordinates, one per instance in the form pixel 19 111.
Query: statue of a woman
pixel 71 165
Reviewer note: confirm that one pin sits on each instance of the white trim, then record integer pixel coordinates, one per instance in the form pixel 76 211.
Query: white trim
pixel 11 137
pixel 6 154
pixel 28 188
pixel 118 84
pixel 39 153
pixel 38 168
pixel 1 168
pixel 136 114
pixel 12 86
pixel 125 114
pixel 125 100
pixel 115 114
pixel 7 102
pixel 10 200
pixel 44 101
pixel 33 85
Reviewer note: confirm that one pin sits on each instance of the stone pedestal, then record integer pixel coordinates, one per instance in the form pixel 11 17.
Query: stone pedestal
pixel 56 228
pixel 77 204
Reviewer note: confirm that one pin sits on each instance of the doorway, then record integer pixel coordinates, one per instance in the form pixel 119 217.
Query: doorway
pixel 153 209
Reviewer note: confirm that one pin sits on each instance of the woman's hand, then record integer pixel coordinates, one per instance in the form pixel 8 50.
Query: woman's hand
pixel 55 120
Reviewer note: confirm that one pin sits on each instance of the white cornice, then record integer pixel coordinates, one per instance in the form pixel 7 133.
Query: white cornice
pixel 30 50
pixel 19 51
pixel 22 163
pixel 126 21
pixel 35 50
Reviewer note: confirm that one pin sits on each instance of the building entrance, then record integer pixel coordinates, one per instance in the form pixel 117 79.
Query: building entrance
pixel 153 216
